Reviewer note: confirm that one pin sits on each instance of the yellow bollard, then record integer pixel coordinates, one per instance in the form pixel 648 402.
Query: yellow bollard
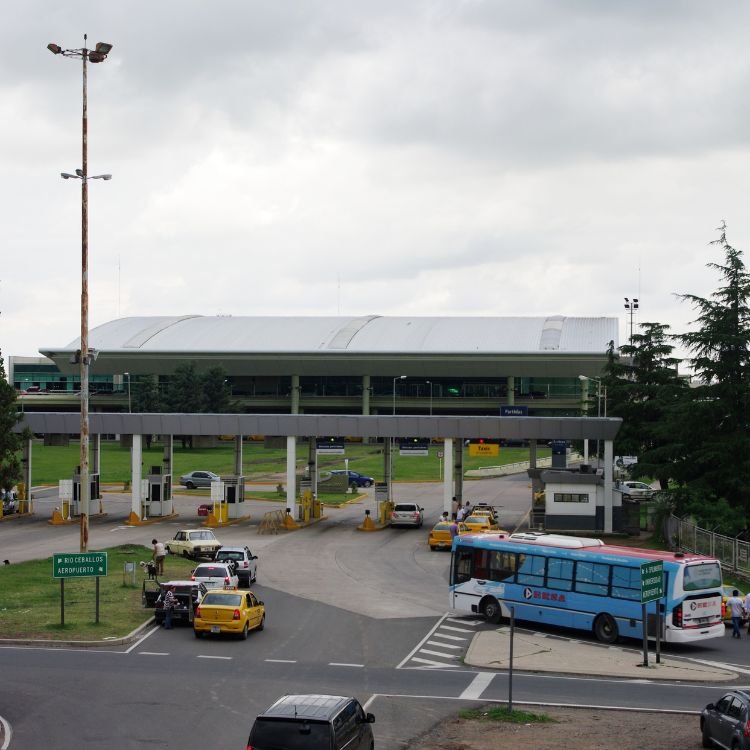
pixel 368 524
pixel 57 518
pixel 289 522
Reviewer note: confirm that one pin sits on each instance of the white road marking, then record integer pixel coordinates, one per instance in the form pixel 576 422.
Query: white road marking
pixel 456 630
pixel 450 637
pixel 7 733
pixel 442 645
pixel 437 653
pixel 434 664
pixel 153 630
pixel 153 653
pixel 478 686
pixel 221 658
pixel 464 622
pixel 282 661
pixel 344 664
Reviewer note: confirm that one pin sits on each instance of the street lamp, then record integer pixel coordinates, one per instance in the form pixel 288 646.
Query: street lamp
pixel 631 306
pixel 429 382
pixel 398 377
pixel 97 55
pixel 127 375
pixel 599 390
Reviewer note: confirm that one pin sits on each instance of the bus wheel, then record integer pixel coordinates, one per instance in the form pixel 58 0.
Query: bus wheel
pixel 492 611
pixel 605 629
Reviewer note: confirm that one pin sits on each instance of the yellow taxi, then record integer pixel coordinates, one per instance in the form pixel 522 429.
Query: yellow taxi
pixel 482 522
pixel 229 612
pixel 440 534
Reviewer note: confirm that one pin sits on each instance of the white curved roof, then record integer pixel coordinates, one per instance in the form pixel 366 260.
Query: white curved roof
pixel 366 334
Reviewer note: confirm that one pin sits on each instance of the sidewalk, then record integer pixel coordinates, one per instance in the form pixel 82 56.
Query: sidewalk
pixel 537 652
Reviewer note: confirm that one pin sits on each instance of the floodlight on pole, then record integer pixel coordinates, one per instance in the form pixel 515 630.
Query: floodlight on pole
pixel 631 306
pixel 97 55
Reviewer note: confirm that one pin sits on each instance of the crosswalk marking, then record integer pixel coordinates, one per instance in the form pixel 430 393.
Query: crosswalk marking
pixel 443 645
pixel 437 653
pixel 448 642
pixel 478 685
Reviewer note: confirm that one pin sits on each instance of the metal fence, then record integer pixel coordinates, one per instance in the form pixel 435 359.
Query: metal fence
pixel 733 553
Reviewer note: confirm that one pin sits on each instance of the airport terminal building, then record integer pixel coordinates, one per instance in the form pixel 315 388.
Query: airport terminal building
pixel 369 365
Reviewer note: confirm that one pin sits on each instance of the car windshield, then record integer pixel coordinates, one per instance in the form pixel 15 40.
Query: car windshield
pixel 405 508
pixel 212 571
pixel 226 555
pixel 222 600
pixel 203 536
pixel 476 519
pixel 291 734
pixel 442 527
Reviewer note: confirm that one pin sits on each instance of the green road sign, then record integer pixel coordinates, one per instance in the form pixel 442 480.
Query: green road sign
pixel 79 564
pixel 652 581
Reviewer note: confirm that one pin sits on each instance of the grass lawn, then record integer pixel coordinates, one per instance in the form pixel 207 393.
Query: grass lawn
pixel 52 463
pixel 30 598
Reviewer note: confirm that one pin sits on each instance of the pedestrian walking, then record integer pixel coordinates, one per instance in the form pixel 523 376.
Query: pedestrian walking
pixel 460 514
pixel 737 610
pixel 454 508
pixel 170 601
pixel 454 529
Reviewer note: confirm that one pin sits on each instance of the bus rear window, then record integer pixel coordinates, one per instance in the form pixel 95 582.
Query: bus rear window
pixel 702 576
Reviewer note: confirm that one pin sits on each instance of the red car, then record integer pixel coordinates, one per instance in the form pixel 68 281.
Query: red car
pixel 205 509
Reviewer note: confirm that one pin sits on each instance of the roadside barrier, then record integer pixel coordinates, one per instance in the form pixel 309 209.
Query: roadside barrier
pixel 271 522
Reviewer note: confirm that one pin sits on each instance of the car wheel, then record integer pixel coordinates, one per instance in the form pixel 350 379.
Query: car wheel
pixel 368 483
pixel 262 623
pixel 605 629
pixel 185 553
pixel 190 485
pixel 197 633
pixel 492 611
pixel 243 635
pixel 433 547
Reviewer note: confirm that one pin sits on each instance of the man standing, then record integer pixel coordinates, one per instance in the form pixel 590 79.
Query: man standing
pixel 737 609
pixel 454 508
pixel 170 600
pixel 158 556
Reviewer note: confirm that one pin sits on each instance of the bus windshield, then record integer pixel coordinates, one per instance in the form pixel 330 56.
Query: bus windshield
pixel 702 576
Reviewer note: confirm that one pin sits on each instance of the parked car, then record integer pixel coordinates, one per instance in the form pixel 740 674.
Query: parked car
pixel 407 514
pixel 440 534
pixel 205 509
pixel 726 723
pixel 355 478
pixel 482 522
pixel 194 543
pixel 216 575
pixel 637 490
pixel 229 613
pixel 313 721
pixel 10 501
pixel 198 479
pixel 189 594
pixel 245 563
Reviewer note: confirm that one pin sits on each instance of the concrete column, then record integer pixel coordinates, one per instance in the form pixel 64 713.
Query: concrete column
pixel 366 395
pixel 532 454
pixel 238 455
pixel 168 463
pixel 291 474
pixel 511 389
pixel 388 465
pixel 448 478
pixel 458 471
pixel 95 454
pixel 608 460
pixel 26 466
pixel 312 466
pixel 584 411
pixel 295 394
pixel 136 453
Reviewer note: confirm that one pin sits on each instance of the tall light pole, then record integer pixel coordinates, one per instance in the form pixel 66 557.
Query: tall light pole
pixel 429 382
pixel 631 306
pixel 599 391
pixel 97 55
pixel 127 375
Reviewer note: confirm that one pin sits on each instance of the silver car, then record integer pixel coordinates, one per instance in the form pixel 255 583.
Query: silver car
pixel 407 514
pixel 216 576
pixel 198 479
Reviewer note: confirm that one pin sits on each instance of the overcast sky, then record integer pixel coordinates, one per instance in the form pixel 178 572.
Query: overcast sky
pixel 399 157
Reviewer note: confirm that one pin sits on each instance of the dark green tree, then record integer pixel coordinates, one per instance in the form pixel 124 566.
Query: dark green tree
pixel 716 441
pixel 185 391
pixel 10 442
pixel 217 395
pixel 647 391
pixel 146 397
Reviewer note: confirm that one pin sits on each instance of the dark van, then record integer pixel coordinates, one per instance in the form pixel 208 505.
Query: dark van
pixel 313 722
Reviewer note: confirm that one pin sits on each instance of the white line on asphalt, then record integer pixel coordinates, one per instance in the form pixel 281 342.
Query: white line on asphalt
pixel 222 658
pixel 422 642
pixel 440 634
pixel 478 686
pixel 465 622
pixel 282 661
pixel 437 653
pixel 7 733
pixel 153 653
pixel 441 644
pixel 343 664
pixel 455 630
pixel 433 664
pixel 140 640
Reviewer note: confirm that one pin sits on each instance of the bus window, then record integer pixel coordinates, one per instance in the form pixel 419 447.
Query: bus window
pixel 531 570
pixel 502 566
pixel 592 578
pixel 701 576
pixel 462 565
pixel 560 574
pixel 626 583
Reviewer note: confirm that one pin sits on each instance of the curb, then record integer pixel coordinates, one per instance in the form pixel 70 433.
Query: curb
pixel 133 635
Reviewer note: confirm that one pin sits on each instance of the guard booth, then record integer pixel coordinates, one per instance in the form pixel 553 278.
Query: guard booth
pixel 159 492
pixel 234 495
pixel 93 485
